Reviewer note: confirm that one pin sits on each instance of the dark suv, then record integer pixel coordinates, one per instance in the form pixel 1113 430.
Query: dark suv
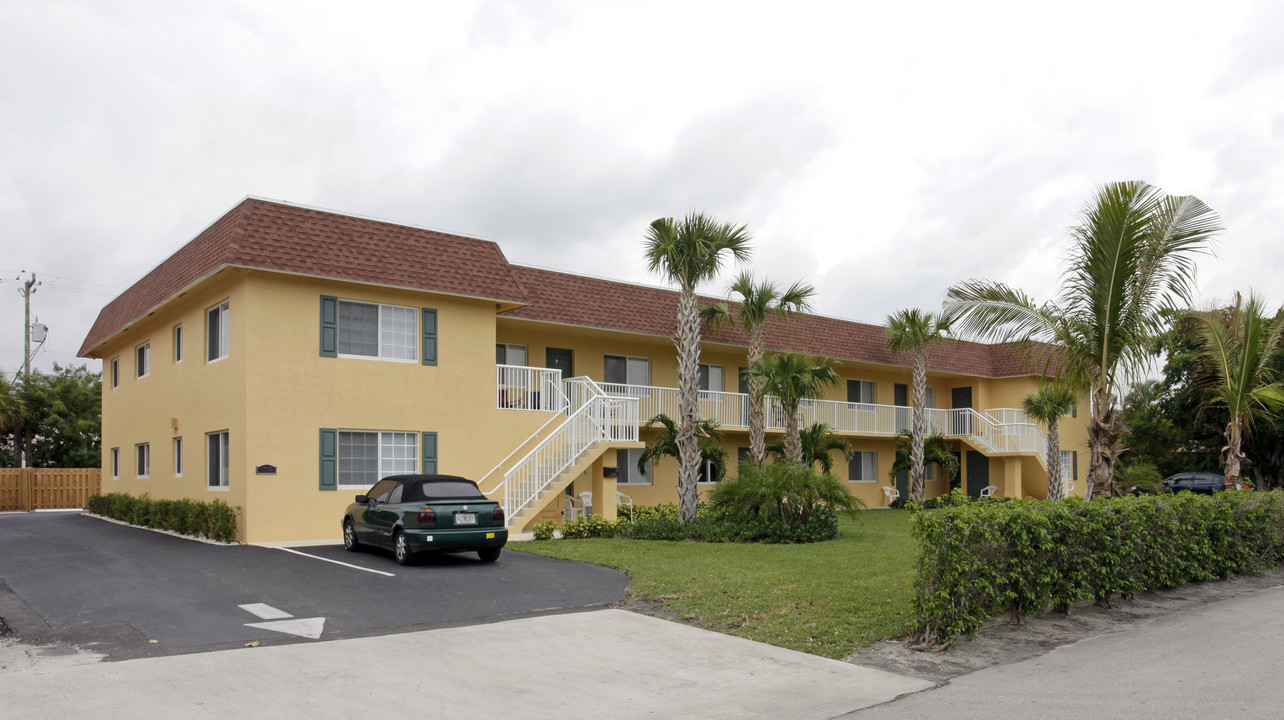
pixel 1205 483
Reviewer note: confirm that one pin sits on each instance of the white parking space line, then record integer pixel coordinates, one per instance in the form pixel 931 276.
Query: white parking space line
pixel 336 562
pixel 265 611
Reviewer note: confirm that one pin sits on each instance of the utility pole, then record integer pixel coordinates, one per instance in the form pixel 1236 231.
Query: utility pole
pixel 28 288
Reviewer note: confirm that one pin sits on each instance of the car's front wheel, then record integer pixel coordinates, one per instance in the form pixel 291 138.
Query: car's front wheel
pixel 488 555
pixel 350 537
pixel 401 550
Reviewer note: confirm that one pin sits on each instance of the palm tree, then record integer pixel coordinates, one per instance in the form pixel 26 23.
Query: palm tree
pixel 1047 405
pixel 1238 348
pixel 760 301
pixel 666 445
pixel 1133 256
pixel 913 331
pixel 936 449
pixel 818 442
pixel 689 252
pixel 792 378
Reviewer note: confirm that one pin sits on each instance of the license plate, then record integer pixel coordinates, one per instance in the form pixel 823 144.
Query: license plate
pixel 465 518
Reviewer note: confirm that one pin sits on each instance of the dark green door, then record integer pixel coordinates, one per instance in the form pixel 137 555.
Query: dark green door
pixel 560 359
pixel 744 390
pixel 900 398
pixel 961 423
pixel 978 473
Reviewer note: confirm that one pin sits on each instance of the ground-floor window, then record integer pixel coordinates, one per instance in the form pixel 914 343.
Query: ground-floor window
pixel 708 472
pixel 863 466
pixel 364 457
pixel 144 455
pixel 217 459
pixel 1067 465
pixel 627 462
pixel 115 463
pixel 178 457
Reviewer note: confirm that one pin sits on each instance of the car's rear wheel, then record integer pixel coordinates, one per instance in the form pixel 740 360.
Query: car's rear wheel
pixel 350 537
pixel 488 555
pixel 401 549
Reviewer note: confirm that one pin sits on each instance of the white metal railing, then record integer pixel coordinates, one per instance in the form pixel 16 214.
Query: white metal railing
pixel 599 418
pixel 528 388
pixel 1008 416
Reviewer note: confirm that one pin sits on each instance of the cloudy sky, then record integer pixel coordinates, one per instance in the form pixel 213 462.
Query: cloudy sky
pixel 882 151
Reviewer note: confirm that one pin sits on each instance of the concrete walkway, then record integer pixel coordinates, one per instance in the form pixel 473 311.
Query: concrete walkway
pixel 601 664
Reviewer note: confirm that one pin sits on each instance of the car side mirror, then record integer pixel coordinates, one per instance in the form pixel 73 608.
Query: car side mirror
pixel 362 499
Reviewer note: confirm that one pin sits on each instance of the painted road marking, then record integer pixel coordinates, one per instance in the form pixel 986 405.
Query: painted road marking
pixel 336 562
pixel 267 612
pixel 302 627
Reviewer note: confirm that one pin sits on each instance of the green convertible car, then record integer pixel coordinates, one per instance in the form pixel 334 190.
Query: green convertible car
pixel 419 513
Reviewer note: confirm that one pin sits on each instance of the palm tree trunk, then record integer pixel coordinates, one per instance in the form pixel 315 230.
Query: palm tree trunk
pixel 918 486
pixel 1056 484
pixel 687 341
pixel 793 438
pixel 757 410
pixel 1233 467
pixel 1103 444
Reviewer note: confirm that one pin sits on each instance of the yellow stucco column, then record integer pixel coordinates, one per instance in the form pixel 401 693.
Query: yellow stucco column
pixel 603 491
pixel 1011 477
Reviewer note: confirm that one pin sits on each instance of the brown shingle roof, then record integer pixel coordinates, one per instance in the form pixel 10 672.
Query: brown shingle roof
pixel 268 235
pixel 590 302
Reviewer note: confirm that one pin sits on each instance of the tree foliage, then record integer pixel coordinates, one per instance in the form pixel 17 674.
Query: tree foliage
pixel 61 416
pixel 818 444
pixel 665 444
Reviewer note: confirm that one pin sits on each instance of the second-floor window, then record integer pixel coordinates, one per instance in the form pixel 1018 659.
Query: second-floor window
pixel 506 354
pixel 711 378
pixel 143 359
pixel 387 332
pixel 216 337
pixel 178 343
pixel 621 370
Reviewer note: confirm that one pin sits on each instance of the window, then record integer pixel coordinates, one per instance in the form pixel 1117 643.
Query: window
pixel 178 457
pixel 710 380
pixel 621 370
pixel 706 475
pixel 860 391
pixel 115 372
pixel 178 343
pixel 143 359
pixel 1067 465
pixel 115 463
pixel 506 354
pixel 216 333
pixel 216 456
pixel 627 462
pixel 144 454
pixel 863 466
pixel 365 456
pixel 387 332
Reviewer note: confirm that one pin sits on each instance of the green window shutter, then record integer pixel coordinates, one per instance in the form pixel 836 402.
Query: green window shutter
pixel 1074 465
pixel 329 326
pixel 430 336
pixel 329 459
pixel 430 453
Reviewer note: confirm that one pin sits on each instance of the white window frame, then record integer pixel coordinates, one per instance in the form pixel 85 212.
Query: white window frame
pixel 178 457
pixel 623 474
pixel 143 460
pixel 223 481
pixel 708 472
pixel 143 360
pixel 508 349
pixel 381 353
pixel 115 372
pixel 214 353
pixel 387 463
pixel 115 463
pixel 177 337
pixel 1067 465
pixel 873 466
pixel 710 385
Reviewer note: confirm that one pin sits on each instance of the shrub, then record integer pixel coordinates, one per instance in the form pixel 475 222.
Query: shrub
pixel 787 491
pixel 215 520
pixel 543 531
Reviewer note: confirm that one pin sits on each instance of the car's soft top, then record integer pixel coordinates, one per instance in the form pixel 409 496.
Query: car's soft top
pixel 423 488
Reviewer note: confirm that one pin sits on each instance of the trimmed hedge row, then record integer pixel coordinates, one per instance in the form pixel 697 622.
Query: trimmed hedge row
pixel 978 559
pixel 710 525
pixel 214 520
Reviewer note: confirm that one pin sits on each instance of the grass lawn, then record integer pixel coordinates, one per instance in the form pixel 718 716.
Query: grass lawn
pixel 820 598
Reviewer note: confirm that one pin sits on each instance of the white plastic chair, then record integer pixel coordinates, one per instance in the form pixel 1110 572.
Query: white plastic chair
pixel 891 493
pixel 622 499
pixel 988 490
pixel 1069 489
pixel 570 512
pixel 586 500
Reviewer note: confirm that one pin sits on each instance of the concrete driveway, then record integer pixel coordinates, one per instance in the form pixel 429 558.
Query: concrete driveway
pixel 116 589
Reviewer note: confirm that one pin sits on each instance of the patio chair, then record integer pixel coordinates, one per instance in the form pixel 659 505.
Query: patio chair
pixel 586 501
pixel 891 493
pixel 570 512
pixel 622 499
pixel 1069 489
pixel 988 490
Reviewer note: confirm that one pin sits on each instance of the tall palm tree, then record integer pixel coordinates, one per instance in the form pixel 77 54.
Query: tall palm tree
pixel 1133 255
pixel 665 444
pixel 936 449
pixel 688 252
pixel 792 378
pixel 818 443
pixel 760 301
pixel 914 331
pixel 1238 347
pixel 1047 405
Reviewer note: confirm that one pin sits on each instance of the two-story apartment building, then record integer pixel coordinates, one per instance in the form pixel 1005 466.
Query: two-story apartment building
pixel 288 357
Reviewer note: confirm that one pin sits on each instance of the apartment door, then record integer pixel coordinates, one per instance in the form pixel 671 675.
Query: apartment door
pixel 978 473
pixel 560 359
pixel 900 398
pixel 961 397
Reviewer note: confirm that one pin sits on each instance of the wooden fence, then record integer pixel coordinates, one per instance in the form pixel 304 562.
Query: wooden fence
pixel 48 488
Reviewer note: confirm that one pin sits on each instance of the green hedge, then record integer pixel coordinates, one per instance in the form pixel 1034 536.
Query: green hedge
pixel 711 525
pixel 978 559
pixel 214 520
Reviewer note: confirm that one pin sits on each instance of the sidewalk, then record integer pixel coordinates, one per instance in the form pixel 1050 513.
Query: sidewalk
pixel 601 664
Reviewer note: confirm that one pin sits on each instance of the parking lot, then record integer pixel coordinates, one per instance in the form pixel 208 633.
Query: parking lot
pixel 129 592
